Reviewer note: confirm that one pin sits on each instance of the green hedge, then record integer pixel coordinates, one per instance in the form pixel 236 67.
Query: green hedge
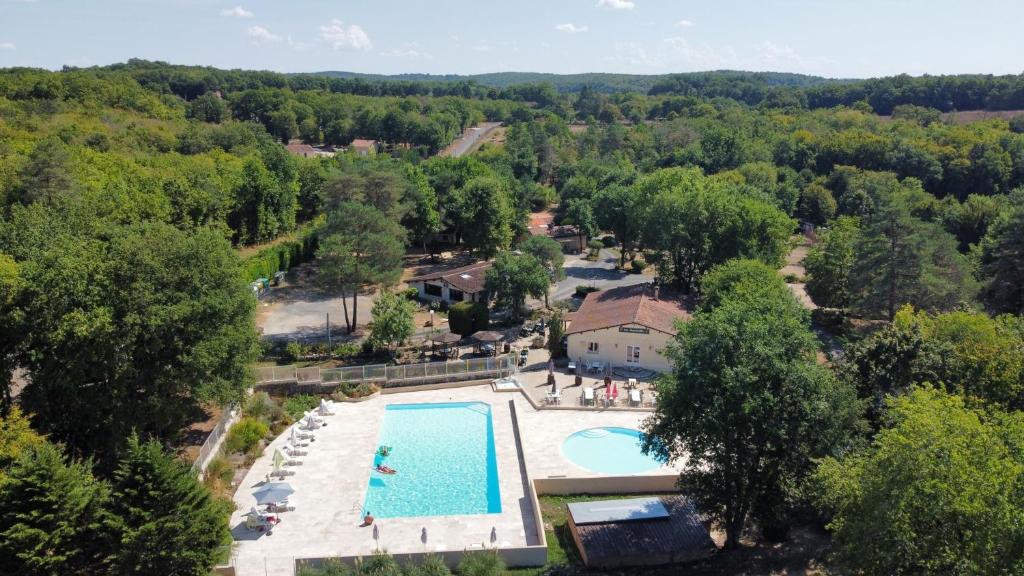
pixel 281 257
pixel 465 318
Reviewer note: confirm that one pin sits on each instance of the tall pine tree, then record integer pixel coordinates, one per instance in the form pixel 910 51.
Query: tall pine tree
pixel 169 523
pixel 53 519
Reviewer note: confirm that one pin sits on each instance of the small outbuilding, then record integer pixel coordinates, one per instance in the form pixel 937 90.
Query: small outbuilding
pixel 650 531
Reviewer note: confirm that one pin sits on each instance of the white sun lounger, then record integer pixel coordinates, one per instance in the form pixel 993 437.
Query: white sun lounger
pixel 588 396
pixel 634 397
pixel 293 451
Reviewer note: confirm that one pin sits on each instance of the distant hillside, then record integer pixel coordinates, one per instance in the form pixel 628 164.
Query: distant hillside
pixel 601 82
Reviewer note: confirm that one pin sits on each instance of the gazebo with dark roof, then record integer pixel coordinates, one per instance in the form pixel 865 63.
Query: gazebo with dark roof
pixel 445 339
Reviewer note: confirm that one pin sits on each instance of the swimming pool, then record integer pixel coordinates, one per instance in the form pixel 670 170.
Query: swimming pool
pixel 609 450
pixel 444 459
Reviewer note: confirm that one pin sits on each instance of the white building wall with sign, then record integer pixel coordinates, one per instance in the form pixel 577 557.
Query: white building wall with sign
pixel 614 344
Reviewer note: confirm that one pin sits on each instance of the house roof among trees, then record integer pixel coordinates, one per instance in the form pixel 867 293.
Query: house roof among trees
pixel 642 304
pixel 470 279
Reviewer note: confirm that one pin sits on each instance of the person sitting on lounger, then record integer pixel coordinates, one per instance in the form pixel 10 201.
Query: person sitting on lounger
pixel 385 469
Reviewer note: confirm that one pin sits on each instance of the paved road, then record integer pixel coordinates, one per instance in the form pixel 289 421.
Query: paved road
pixel 465 143
pixel 600 274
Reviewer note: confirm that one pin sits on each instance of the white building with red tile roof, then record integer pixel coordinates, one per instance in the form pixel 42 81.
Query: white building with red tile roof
pixel 628 326
pixel 465 284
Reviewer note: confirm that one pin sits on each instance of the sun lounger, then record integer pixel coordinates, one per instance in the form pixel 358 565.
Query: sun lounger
pixel 293 451
pixel 282 473
pixel 634 397
pixel 555 398
pixel 283 506
pixel 588 396
pixel 325 409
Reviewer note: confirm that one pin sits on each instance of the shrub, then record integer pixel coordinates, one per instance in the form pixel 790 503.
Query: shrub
pixel 582 290
pixel 259 406
pixel 282 256
pixel 465 318
pixel 637 266
pixel 294 351
pixel 481 564
pixel 296 406
pixel 219 474
pixel 412 294
pixel 330 567
pixel 245 435
pixel 346 350
pixel 608 241
pixel 380 564
pixel 791 278
pixel 432 565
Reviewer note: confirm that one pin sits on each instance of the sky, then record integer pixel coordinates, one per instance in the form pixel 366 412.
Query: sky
pixel 834 38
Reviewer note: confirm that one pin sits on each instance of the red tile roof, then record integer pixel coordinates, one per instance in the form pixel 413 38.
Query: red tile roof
pixel 543 224
pixel 299 149
pixel 470 279
pixel 361 144
pixel 631 305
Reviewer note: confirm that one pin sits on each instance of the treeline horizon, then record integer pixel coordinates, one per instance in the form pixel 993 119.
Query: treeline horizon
pixel 946 93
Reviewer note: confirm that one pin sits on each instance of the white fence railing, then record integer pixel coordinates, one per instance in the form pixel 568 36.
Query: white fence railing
pixel 389 376
pixel 212 443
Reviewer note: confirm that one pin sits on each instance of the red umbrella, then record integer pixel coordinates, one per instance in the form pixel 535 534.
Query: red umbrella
pixel 615 390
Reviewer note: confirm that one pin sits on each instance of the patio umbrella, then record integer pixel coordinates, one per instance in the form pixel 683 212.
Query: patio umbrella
pixel 554 386
pixel 551 366
pixel 376 535
pixel 273 492
pixel 494 535
pixel 278 460
pixel 615 390
pixel 488 336
pixel 294 438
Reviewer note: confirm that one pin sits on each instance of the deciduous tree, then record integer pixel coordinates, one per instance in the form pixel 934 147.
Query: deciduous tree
pixel 749 407
pixel 392 321
pixel 940 491
pixel 512 278
pixel 830 262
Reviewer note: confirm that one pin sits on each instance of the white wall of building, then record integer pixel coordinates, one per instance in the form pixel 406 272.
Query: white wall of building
pixel 446 293
pixel 614 343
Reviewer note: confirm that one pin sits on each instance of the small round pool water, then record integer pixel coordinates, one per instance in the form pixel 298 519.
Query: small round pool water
pixel 609 450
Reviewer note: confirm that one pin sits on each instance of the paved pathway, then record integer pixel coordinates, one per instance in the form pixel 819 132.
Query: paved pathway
pixel 467 142
pixel 600 273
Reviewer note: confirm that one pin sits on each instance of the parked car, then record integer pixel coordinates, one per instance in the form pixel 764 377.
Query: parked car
pixel 538 327
pixel 524 356
pixel 525 331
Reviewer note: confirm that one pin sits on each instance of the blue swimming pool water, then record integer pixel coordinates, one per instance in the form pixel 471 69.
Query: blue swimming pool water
pixel 609 450
pixel 445 462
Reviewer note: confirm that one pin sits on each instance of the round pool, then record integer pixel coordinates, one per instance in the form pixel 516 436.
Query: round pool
pixel 609 450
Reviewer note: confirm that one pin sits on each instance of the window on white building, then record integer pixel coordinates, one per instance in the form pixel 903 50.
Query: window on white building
pixel 633 354
pixel 592 348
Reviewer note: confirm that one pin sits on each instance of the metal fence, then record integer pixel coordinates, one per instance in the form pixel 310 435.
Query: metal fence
pixel 390 376
pixel 227 418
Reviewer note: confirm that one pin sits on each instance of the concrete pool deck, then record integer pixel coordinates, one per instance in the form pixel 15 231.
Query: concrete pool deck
pixel 331 482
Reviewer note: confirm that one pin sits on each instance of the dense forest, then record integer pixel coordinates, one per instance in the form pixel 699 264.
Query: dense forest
pixel 128 193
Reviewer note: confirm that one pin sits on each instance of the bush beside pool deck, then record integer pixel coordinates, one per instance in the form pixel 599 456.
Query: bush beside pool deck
pixel 331 485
